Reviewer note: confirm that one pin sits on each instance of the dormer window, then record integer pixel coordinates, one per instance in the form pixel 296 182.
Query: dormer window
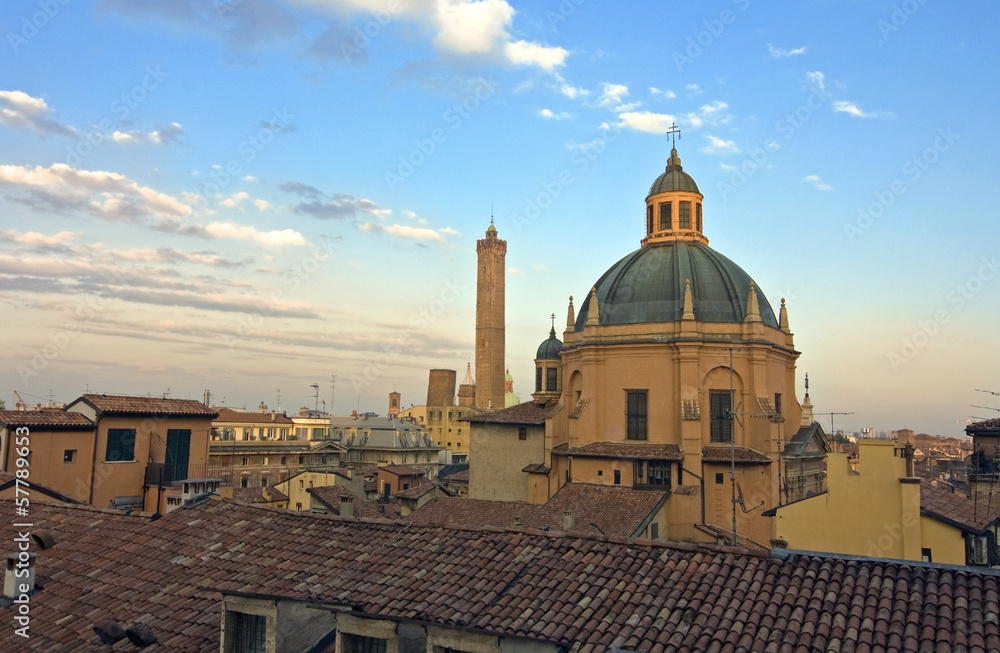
pixel 684 221
pixel 666 216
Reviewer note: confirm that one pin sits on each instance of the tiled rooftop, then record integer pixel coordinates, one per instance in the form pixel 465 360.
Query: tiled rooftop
pixel 609 509
pixel 626 450
pixel 471 513
pixel 528 413
pixel 56 420
pixel 330 496
pixel 257 495
pixel 122 405
pixel 239 416
pixel 418 491
pixel 584 594
pixel 401 470
pixel 955 508
pixel 743 455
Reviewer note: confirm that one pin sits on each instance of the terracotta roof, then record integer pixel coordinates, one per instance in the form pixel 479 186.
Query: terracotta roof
pixel 461 477
pixel 472 513
pixel 537 468
pixel 955 508
pixel 627 450
pixel 229 415
pixel 330 496
pixel 256 495
pixel 123 405
pixel 585 594
pixel 401 470
pixel 530 413
pixel 418 491
pixel 609 509
pixel 743 455
pixel 987 426
pixel 54 420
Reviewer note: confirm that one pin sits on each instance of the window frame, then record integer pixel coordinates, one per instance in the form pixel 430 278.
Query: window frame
pixel 669 222
pixel 124 441
pixel 684 215
pixel 720 426
pixel 637 415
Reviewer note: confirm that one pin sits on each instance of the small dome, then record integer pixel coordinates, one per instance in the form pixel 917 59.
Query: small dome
pixel 550 347
pixel 674 179
pixel 648 286
pixel 508 377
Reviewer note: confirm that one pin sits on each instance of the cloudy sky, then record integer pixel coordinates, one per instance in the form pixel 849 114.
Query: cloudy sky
pixel 252 196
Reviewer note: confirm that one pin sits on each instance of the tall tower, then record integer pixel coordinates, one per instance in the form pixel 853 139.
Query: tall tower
pixel 490 320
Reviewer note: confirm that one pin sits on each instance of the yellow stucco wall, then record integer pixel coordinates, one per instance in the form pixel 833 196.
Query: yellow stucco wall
pixel 873 512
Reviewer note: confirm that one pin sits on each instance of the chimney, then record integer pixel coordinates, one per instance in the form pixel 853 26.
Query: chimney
pixel 262 408
pixel 207 398
pixel 517 522
pixel 346 506
pixel 273 416
pixel 567 520
pixel 19 579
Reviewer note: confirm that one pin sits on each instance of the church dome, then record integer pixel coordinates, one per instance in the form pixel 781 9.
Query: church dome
pixel 674 179
pixel 550 347
pixel 648 286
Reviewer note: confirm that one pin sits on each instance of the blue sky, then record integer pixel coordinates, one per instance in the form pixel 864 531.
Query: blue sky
pixel 253 196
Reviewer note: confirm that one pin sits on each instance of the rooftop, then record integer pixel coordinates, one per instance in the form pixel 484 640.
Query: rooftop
pixel 528 413
pixel 54 420
pixel 624 450
pixel 587 594
pixel 124 405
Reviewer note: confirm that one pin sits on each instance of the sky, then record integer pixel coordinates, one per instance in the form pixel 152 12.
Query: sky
pixel 279 201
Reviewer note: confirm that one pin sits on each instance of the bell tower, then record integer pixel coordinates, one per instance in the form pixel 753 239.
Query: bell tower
pixel 490 320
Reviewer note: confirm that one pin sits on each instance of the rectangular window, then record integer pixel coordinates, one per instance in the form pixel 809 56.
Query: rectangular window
pixel 697 215
pixel 121 445
pixel 719 478
pixel 246 462
pixel 925 555
pixel 301 459
pixel 618 477
pixel 263 481
pixel 654 531
pixel 266 461
pixel 177 454
pixel 684 217
pixel 666 216
pixel 635 415
pixel 721 406
pixel 538 379
pixel 777 403
pixel 658 473
pixel 649 219
pixel 251 633
pixel 551 379
pixel 361 644
pixel 600 472
pixel 317 434
pixel 69 456
pixel 245 481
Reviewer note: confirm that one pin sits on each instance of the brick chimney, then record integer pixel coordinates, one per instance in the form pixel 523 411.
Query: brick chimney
pixel 19 579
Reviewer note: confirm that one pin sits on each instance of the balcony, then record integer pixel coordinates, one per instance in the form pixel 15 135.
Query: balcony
pixel 166 474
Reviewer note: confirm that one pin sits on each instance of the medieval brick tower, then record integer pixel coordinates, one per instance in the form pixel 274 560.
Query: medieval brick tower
pixel 490 320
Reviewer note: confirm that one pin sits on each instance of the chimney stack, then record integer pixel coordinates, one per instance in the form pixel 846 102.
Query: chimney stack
pixel 19 579
pixel 346 506
pixel 568 520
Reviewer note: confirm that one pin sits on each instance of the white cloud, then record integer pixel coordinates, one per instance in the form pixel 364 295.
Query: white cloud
pixel 646 121
pixel 666 94
pixel 250 179
pixel 612 94
pixel 719 146
pixel 547 113
pixel 817 182
pixel 402 231
pixel 276 238
pixel 515 272
pixel 817 79
pixel 448 230
pixel 694 89
pixel 262 205
pixel 165 134
pixel 35 239
pixel 20 110
pixel 545 57
pixel 235 199
pixel 852 109
pixel 778 53
pixel 573 92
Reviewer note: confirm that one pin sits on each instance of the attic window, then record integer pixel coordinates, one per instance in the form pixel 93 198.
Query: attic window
pixel 251 633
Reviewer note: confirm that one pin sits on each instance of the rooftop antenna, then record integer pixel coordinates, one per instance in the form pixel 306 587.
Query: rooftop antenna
pixel 675 134
pixel 333 390
pixel 315 386
pixel 278 408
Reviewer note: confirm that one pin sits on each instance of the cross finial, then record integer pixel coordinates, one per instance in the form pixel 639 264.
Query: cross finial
pixel 553 316
pixel 491 213
pixel 675 133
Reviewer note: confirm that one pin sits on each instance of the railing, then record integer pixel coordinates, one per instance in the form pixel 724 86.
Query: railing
pixel 166 474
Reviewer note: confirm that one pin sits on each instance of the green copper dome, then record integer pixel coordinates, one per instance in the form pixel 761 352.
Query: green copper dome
pixel 550 347
pixel 648 286
pixel 674 179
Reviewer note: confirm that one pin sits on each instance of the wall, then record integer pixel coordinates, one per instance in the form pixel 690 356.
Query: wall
pixel 502 456
pixel 47 468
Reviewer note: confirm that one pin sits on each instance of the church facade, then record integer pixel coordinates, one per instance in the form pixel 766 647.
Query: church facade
pixel 674 374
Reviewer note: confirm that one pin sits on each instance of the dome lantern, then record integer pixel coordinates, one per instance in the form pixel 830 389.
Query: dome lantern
pixel 673 205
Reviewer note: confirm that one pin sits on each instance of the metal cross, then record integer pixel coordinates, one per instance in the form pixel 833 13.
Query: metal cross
pixel 553 316
pixel 675 133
